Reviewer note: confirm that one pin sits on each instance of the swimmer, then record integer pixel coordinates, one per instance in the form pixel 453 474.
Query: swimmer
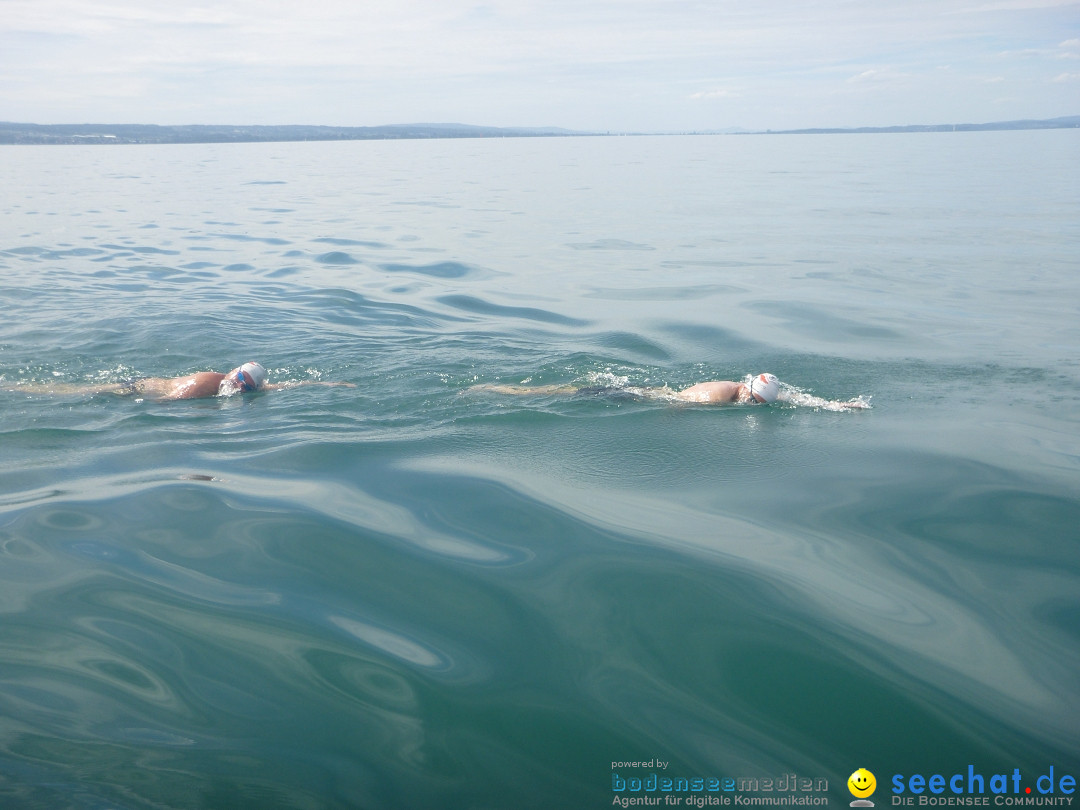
pixel 760 390
pixel 245 379
pixel 764 389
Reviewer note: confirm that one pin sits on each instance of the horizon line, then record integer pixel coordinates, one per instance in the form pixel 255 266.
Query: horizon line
pixel 27 133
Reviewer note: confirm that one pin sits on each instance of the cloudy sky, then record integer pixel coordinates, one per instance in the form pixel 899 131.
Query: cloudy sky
pixel 607 65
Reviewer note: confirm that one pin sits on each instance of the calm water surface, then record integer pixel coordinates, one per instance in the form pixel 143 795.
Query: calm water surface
pixel 410 594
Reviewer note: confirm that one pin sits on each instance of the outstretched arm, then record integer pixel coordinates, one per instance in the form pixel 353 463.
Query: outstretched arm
pixel 519 390
pixel 155 387
pixel 298 383
pixel 708 393
pixel 64 388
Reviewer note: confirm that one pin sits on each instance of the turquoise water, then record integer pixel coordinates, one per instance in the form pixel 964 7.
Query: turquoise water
pixel 410 594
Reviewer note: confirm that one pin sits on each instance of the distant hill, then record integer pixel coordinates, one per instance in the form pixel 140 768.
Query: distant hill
pixel 12 133
pixel 1068 122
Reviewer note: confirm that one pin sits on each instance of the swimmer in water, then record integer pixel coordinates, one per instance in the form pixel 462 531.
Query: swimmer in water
pixel 245 379
pixel 764 389
pixel 761 390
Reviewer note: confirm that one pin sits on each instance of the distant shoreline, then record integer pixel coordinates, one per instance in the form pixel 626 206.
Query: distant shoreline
pixel 1067 122
pixel 18 133
pixel 68 134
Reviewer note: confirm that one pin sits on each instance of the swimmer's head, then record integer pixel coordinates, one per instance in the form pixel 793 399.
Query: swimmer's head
pixel 249 377
pixel 764 388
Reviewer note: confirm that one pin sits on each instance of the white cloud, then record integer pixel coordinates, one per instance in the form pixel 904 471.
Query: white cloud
pixel 603 64
pixel 1066 77
pixel 714 94
pixel 885 74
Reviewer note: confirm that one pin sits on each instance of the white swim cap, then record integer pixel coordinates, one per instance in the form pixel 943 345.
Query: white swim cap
pixel 251 376
pixel 765 386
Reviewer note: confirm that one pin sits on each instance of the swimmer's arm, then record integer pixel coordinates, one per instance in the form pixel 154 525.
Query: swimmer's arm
pixel 60 389
pixel 298 383
pixel 559 389
pixel 521 390
pixel 84 389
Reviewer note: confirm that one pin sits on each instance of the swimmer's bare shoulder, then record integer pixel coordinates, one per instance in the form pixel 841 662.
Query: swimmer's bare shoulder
pixel 714 392
pixel 191 386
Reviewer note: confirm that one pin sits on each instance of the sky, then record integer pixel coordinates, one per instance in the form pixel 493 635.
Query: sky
pixel 595 65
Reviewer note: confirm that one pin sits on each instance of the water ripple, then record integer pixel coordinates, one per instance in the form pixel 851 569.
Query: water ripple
pixel 409 650
pixel 336 257
pixel 447 270
pixel 479 306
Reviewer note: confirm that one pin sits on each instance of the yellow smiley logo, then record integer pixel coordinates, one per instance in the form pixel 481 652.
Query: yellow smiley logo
pixel 861 783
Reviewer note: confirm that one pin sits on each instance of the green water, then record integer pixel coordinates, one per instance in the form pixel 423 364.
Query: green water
pixel 411 594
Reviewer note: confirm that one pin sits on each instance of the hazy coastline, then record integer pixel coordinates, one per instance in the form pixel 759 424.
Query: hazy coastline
pixel 43 134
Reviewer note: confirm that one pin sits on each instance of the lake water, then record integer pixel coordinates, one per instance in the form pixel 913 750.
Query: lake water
pixel 410 594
